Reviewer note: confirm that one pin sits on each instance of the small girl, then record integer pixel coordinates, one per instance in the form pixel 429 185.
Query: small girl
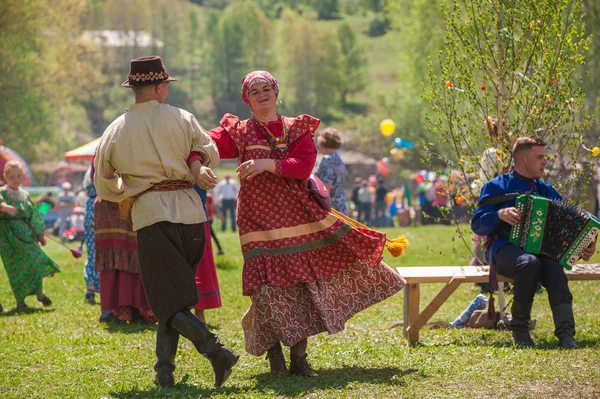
pixel 21 229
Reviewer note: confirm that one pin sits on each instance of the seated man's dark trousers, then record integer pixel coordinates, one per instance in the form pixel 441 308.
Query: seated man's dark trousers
pixel 527 270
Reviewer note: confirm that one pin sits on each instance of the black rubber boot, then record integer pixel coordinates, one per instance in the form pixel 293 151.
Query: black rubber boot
pixel 166 349
pixel 521 316
pixel 207 344
pixel 564 323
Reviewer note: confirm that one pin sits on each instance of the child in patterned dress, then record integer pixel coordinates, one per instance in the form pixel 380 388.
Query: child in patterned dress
pixel 21 229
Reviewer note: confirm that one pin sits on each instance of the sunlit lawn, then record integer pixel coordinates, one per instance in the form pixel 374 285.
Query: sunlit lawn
pixel 64 352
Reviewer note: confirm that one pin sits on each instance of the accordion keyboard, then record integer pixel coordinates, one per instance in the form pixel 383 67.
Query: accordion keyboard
pixel 553 228
pixel 585 242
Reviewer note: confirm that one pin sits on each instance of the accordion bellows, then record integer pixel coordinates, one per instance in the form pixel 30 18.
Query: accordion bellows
pixel 553 228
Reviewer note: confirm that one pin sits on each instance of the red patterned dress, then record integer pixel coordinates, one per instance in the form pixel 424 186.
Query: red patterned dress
pixel 305 270
pixel 117 262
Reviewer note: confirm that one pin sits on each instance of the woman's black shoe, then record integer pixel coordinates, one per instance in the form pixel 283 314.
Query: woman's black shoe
pixel 111 319
pixel 44 300
pixel 90 297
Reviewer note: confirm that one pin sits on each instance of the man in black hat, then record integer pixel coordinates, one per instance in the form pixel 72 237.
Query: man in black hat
pixel 143 162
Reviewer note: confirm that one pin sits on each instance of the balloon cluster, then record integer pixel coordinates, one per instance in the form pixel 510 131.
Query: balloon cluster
pixel 387 127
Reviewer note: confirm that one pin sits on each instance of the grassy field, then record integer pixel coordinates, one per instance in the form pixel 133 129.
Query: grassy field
pixel 64 352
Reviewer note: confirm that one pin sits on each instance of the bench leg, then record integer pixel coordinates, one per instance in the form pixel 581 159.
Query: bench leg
pixel 411 311
pixel 501 300
pixel 416 324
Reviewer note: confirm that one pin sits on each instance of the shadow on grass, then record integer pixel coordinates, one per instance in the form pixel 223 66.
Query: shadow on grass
pixel 290 386
pixel 180 390
pixel 15 312
pixel 552 344
pixel 225 264
pixel 331 379
pixel 495 340
pixel 132 328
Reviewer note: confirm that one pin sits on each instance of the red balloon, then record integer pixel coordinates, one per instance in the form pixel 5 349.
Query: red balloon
pixel 383 168
pixel 419 178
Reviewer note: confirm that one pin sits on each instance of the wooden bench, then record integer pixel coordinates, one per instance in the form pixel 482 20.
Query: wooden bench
pixel 453 277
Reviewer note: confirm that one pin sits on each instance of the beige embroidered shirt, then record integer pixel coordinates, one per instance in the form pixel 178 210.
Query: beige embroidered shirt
pixel 148 144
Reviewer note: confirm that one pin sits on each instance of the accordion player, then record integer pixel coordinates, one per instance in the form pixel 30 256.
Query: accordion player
pixel 553 228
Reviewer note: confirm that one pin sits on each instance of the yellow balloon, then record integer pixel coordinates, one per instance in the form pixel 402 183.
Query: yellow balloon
pixel 387 127
pixel 394 151
pixel 399 156
pixel 389 197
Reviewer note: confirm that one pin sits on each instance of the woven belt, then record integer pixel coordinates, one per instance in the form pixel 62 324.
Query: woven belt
pixel 165 185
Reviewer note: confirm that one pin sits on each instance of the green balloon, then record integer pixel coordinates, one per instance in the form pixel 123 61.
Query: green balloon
pixel 43 208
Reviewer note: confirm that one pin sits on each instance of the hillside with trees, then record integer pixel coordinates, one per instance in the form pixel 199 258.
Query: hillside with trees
pixel 351 63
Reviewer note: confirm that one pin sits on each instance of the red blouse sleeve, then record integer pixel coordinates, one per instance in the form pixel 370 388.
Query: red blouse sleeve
pixel 224 142
pixel 194 156
pixel 301 160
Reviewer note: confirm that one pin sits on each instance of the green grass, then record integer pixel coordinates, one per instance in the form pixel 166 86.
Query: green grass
pixel 63 352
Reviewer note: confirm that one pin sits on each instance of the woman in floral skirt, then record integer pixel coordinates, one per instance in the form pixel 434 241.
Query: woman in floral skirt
pixel 306 271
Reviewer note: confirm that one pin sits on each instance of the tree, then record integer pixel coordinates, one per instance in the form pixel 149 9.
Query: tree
pixel 194 45
pixel 44 66
pixel 591 9
pixel 310 67
pixel 353 63
pixel 420 24
pixel 170 34
pixel 375 5
pixel 513 66
pixel 238 43
pixel 327 9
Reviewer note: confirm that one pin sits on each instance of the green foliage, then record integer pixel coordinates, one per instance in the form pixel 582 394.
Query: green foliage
pixel 44 66
pixel 195 43
pixel 420 27
pixel 328 9
pixel 310 68
pixel 64 352
pixel 588 70
pixel 516 63
pixel 239 43
pixel 353 63
pixel 378 26
pixel 375 5
pixel 352 7
pixel 321 67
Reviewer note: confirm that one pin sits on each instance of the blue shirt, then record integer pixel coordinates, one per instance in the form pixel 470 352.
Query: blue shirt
pixel 486 222
pixel 332 170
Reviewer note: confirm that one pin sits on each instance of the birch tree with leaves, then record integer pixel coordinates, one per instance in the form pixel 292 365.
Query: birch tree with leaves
pixel 510 68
